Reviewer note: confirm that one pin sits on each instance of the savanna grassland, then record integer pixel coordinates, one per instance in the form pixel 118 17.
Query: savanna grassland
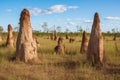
pixel 71 66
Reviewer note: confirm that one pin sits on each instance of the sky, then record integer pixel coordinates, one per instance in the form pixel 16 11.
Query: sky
pixel 64 13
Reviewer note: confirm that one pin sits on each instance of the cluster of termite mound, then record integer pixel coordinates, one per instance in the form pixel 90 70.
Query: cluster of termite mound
pixel 26 44
pixel 94 46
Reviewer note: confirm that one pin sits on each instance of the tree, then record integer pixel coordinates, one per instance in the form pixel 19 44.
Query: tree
pixel 113 30
pixel 1 29
pixel 67 30
pixel 45 26
pixel 77 28
pixel 16 29
pixel 80 29
pixel 58 28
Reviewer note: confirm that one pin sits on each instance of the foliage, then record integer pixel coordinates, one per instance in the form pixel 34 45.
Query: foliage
pixel 1 29
pixel 44 25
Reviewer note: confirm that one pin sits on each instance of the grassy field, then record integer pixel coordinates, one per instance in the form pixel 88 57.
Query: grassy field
pixel 71 66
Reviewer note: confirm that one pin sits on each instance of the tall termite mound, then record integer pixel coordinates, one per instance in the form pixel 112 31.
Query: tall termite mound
pixel 26 46
pixel 10 38
pixel 60 48
pixel 95 46
pixel 84 44
pixel 1 38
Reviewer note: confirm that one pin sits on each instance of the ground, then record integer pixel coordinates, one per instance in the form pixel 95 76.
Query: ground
pixel 71 66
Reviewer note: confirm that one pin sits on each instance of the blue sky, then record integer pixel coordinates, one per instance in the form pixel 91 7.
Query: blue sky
pixel 64 13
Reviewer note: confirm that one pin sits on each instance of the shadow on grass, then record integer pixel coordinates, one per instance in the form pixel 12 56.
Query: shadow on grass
pixel 3 76
pixel 113 69
pixel 70 64
pixel 2 45
pixel 71 53
pixel 6 53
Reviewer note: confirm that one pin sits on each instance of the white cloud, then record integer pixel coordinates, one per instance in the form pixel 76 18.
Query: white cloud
pixel 68 19
pixel 78 19
pixel 73 19
pixel 112 18
pixel 71 24
pixel 56 9
pixel 88 21
pixel 8 10
pixel 35 11
pixel 52 9
pixel 73 7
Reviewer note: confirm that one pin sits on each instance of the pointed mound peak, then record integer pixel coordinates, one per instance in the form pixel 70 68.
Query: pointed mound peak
pixel 85 35
pixel 9 27
pixel 96 18
pixel 25 12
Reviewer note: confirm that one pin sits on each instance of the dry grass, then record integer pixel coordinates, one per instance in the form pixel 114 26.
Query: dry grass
pixel 72 66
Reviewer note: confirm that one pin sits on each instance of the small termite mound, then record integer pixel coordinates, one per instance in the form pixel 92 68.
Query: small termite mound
pixel 84 44
pixel 10 38
pixel 60 48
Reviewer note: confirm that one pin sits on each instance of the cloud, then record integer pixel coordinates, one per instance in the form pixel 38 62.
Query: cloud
pixel 51 10
pixel 8 10
pixel 35 11
pixel 73 19
pixel 112 18
pixel 71 24
pixel 56 9
pixel 88 21
pixel 68 19
pixel 73 7
pixel 78 19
